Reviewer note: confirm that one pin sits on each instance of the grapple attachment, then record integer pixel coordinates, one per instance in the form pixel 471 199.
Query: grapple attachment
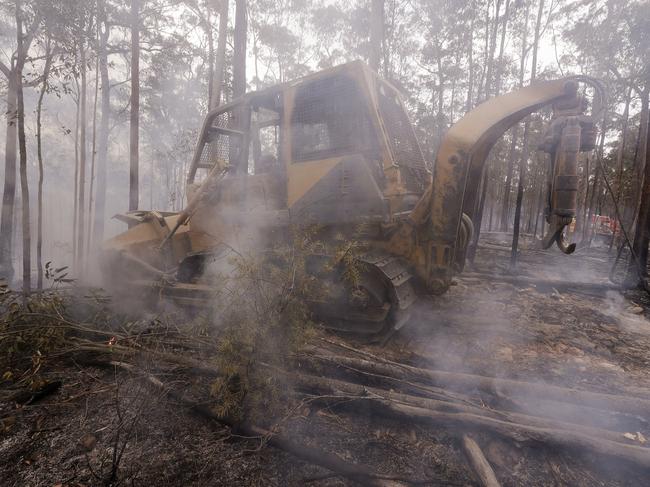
pixel 570 133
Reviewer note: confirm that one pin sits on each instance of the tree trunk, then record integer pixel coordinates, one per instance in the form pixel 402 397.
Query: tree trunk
pixel 13 73
pixel 619 159
pixel 209 32
pixel 93 157
pixel 499 71
pixel 524 157
pixel 537 197
pixel 220 59
pixel 387 41
pixel 539 210
pixel 638 268
pixel 452 98
pixel 486 48
pixel 134 125
pixel 75 211
pixel 520 196
pixel 441 127
pixel 531 199
pixel 588 228
pixel 478 219
pixel 22 147
pixel 376 33
pixel 478 216
pixel 239 54
pixel 470 63
pixel 640 150
pixel 39 141
pixel 9 193
pixel 621 147
pixel 505 207
pixel 102 137
pixel 81 228
pixel 585 204
pixel 236 153
pixel 492 49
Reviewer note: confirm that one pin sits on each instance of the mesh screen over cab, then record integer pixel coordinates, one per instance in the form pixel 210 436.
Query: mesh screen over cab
pixel 401 139
pixel 329 118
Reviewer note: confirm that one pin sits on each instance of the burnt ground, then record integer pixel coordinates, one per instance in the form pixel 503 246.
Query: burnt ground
pixel 103 419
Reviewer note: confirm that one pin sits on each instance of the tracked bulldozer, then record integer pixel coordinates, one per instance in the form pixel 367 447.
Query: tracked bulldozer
pixel 337 149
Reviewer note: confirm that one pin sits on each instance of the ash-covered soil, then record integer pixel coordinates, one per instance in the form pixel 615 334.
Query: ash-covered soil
pixel 102 420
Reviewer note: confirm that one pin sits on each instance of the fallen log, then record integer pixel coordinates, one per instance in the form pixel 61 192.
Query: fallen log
pixel 479 463
pixel 358 473
pixel 463 382
pixel 331 387
pixel 546 284
pixel 458 417
pixel 126 352
pixel 394 373
pixel 572 411
pixel 531 406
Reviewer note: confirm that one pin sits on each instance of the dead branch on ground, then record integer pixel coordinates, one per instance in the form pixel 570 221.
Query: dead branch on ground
pixel 479 463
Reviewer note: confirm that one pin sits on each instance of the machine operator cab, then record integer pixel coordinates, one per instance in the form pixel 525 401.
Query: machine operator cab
pixel 336 146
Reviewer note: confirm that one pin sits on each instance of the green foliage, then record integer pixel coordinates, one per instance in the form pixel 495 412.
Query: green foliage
pixel 263 317
pixel 263 314
pixel 29 331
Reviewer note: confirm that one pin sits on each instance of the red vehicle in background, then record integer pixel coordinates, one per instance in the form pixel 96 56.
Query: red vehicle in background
pixel 604 228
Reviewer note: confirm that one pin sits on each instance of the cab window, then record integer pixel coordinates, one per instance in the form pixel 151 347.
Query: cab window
pixel 329 119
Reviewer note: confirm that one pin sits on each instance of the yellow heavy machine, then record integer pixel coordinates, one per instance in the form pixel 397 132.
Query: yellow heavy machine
pixel 337 149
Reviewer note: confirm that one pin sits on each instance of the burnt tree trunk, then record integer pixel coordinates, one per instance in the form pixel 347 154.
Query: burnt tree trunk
pixel 22 147
pixel 470 64
pixel 376 33
pixel 520 197
pixel 9 192
pixel 582 221
pixel 638 268
pixel 588 228
pixel 93 163
pixel 102 136
pixel 539 211
pixel 75 211
pixel 486 49
pixel 220 59
pixel 239 84
pixel 502 42
pixel 81 231
pixel 134 136
pixel 524 158
pixel 239 53
pixel 639 152
pixel 39 147
pixel 478 219
pixel 14 75
pixel 492 50
pixel 209 32
pixel 505 206
pixel 619 158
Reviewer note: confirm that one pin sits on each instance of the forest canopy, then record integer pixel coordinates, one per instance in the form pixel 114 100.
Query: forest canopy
pixel 104 99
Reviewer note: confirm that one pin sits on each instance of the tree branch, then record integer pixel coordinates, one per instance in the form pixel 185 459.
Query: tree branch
pixel 5 69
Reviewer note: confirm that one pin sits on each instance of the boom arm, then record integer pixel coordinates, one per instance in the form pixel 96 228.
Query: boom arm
pixel 461 159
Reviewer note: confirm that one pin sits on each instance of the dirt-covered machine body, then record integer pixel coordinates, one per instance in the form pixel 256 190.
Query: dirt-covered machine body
pixel 337 149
